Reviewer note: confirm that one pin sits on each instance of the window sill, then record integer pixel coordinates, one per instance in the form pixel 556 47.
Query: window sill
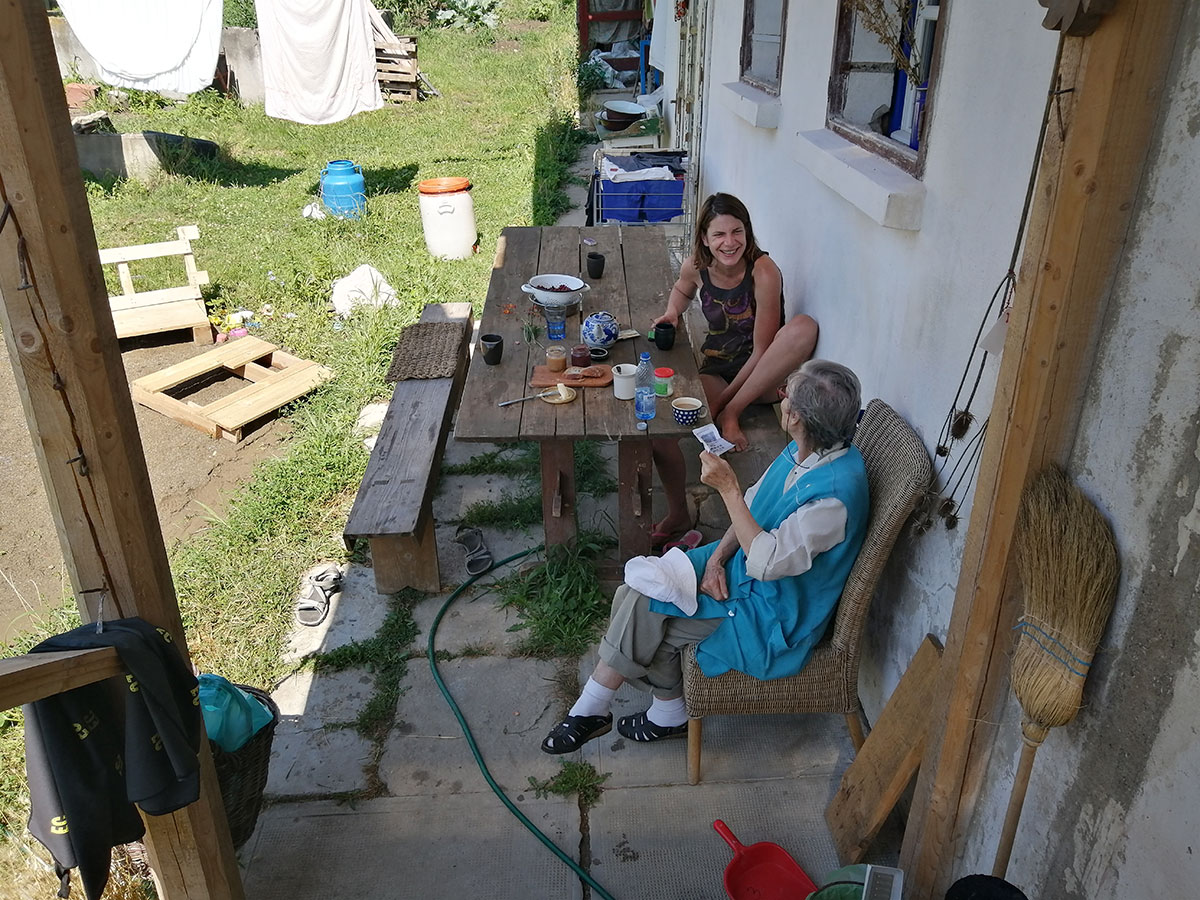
pixel 882 190
pixel 757 107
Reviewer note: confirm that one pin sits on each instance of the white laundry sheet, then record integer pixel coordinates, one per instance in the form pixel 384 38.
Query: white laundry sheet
pixel 151 45
pixel 318 59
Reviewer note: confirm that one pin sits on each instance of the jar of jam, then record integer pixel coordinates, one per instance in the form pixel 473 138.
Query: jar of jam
pixel 581 356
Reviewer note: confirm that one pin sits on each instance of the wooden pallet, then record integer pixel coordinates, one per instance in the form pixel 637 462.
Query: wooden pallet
pixel 276 378
pixel 167 309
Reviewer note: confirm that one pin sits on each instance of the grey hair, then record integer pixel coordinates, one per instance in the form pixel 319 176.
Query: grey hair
pixel 826 397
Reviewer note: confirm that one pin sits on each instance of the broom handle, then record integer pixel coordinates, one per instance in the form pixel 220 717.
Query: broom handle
pixel 1015 801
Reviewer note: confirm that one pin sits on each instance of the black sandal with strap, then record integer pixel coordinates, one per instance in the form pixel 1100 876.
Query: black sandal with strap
pixel 574 731
pixel 638 727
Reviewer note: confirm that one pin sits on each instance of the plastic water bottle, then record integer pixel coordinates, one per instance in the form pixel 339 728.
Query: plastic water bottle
pixel 643 389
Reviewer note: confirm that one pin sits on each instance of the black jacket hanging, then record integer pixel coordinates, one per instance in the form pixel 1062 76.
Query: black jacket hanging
pixel 92 752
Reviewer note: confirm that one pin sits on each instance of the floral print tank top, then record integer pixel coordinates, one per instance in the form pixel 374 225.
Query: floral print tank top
pixel 730 316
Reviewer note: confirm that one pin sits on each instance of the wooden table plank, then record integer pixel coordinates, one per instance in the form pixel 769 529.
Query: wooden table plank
pixel 649 278
pixel 606 416
pixel 559 255
pixel 479 419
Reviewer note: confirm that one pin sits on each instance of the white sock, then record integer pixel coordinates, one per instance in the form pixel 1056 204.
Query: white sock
pixel 594 701
pixel 667 713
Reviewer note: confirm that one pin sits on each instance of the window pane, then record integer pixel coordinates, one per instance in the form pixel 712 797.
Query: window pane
pixel 762 42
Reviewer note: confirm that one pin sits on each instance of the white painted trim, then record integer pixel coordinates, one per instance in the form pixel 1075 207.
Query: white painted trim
pixel 883 191
pixel 757 107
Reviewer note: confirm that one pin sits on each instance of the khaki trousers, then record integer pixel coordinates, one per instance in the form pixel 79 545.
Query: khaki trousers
pixel 644 646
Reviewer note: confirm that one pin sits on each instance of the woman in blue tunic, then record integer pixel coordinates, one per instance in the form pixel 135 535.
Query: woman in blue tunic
pixel 766 591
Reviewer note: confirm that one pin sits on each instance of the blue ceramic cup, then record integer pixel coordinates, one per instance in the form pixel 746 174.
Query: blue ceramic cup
pixel 687 410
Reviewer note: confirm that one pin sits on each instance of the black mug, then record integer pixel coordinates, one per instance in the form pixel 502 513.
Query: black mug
pixel 493 348
pixel 595 265
pixel 664 335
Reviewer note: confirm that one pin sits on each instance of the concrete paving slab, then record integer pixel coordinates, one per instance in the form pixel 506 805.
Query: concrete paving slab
pixel 407 848
pixel 309 700
pixel 308 762
pixel 658 841
pixel 507 704
pixel 473 620
pixel 355 614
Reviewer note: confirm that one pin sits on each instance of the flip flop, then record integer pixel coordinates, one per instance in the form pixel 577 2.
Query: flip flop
pixel 317 587
pixel 690 541
pixel 479 557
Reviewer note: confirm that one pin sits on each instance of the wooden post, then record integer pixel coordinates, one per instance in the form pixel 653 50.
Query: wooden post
pixel 59 332
pixel 1087 187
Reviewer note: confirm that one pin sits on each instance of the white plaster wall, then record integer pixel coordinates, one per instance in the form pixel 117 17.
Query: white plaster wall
pixel 900 307
pixel 1113 809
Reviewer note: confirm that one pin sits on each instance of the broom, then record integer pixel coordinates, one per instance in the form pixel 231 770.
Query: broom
pixel 1067 562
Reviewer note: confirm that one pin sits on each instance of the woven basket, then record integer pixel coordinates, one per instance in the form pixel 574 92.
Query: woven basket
pixel 242 774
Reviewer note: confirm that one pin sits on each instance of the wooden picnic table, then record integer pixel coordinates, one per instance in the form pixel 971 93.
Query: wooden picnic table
pixel 634 288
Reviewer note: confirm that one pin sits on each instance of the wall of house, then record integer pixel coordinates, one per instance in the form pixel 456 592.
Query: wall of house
pixel 1113 809
pixel 901 307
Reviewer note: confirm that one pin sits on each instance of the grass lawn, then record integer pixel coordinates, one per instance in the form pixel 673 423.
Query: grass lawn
pixel 504 121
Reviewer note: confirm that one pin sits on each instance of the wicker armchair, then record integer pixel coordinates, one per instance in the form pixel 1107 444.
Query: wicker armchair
pixel 898 470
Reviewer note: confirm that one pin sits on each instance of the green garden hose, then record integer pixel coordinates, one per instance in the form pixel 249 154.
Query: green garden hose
pixel 521 817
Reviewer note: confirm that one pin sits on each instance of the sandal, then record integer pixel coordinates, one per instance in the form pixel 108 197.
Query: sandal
pixel 638 727
pixel 479 557
pixel 574 731
pixel 690 541
pixel 318 585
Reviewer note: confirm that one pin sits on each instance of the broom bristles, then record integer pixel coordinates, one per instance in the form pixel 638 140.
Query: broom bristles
pixel 1067 562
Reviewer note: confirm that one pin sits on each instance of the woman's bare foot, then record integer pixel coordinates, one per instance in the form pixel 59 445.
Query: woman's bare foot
pixel 731 430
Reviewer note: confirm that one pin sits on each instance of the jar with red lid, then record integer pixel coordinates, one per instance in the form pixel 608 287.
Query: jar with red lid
pixel 664 378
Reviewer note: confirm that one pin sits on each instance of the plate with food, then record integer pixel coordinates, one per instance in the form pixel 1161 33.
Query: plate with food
pixel 564 395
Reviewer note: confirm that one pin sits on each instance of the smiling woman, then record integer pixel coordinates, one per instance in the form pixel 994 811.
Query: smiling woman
pixel 748 347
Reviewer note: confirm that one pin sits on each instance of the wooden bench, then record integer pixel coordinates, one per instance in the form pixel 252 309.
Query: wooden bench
pixel 166 309
pixel 393 509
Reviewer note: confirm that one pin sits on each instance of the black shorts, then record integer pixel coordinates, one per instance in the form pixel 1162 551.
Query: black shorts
pixel 723 368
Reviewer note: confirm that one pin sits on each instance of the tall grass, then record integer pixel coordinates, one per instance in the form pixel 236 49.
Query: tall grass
pixel 236 580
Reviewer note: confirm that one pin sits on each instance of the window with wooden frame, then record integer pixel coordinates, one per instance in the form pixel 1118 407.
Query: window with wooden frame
pixel 763 26
pixel 883 71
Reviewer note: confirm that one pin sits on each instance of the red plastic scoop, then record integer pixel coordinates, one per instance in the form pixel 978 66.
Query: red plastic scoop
pixel 762 871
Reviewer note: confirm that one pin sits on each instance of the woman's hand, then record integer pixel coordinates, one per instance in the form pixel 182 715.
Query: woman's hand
pixel 713 582
pixel 718 474
pixel 668 317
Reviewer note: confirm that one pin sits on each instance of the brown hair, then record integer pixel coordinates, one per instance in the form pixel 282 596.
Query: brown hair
pixel 722 205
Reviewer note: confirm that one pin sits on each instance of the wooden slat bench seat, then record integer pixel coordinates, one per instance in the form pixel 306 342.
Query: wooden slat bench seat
pixel 393 509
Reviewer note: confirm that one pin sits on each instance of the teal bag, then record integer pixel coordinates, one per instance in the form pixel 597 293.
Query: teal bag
pixel 231 716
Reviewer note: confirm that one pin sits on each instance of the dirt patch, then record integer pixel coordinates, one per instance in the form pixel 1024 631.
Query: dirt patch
pixel 193 477
pixel 520 26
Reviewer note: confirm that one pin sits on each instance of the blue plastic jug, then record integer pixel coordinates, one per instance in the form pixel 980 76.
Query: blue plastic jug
pixel 343 189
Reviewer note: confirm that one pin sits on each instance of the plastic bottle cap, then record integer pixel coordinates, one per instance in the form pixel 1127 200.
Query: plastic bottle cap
pixel 642 426
pixel 664 372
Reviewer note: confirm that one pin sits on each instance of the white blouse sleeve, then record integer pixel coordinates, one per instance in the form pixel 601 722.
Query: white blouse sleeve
pixel 815 527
